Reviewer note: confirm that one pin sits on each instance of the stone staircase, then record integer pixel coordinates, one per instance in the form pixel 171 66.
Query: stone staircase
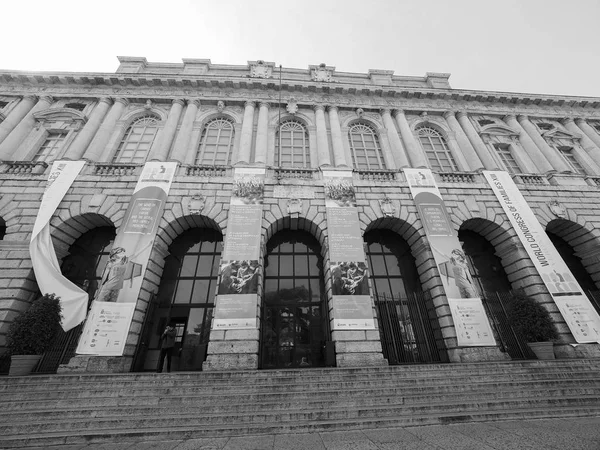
pixel 50 410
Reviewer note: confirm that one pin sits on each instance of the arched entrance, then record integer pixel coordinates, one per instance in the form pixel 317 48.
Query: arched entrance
pixel 294 325
pixel 408 324
pixel 185 298
pixel 83 266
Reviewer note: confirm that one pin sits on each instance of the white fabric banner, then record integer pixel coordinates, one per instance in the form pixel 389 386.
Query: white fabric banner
pixel 579 314
pixel 470 320
pixel 47 271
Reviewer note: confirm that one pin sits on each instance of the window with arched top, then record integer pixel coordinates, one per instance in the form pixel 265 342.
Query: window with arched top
pixel 291 145
pixel 437 150
pixel 216 143
pixel 137 141
pixel 365 148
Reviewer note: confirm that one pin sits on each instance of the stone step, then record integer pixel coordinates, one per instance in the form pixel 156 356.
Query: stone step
pixel 168 398
pixel 291 417
pixel 199 406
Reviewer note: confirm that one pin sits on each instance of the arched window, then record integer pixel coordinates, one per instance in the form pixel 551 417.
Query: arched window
pixel 293 327
pixel 365 148
pixel 137 141
pixel 437 151
pixel 291 145
pixel 216 143
pixel 186 298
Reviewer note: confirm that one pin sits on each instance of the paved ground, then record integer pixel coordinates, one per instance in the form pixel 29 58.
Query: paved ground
pixel 567 434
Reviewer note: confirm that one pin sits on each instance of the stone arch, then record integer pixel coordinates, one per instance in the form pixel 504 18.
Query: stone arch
pixel 66 230
pixel 305 120
pixel 585 244
pixel 207 116
pixel 138 112
pixel 364 120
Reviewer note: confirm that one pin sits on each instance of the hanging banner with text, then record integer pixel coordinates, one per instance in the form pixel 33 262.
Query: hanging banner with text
pixel 105 331
pixel 579 314
pixel 352 306
pixel 470 320
pixel 237 298
pixel 50 280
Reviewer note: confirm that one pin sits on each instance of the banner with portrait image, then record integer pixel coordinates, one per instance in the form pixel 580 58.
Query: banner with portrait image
pixel 105 331
pixel 236 306
pixel 50 280
pixel 352 306
pixel 470 320
pixel 579 314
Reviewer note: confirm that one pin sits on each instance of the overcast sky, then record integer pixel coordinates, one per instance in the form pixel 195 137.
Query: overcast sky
pixel 533 46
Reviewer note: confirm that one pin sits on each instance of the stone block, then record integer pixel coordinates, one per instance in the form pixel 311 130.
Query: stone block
pixel 360 360
pixel 358 347
pixel 242 335
pixel 229 347
pixel 230 362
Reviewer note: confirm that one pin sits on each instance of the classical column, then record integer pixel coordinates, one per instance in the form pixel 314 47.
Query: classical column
pixel 97 150
pixel 246 137
pixel 85 136
pixel 397 148
pixel 322 141
pixel 16 115
pixel 588 131
pixel 260 151
pixel 482 150
pixel 339 154
pixel 588 145
pixel 470 156
pixel 551 154
pixel 160 151
pixel 529 146
pixel 181 148
pixel 415 152
pixel 10 145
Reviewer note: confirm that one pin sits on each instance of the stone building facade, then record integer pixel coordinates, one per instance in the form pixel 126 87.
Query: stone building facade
pixel 295 123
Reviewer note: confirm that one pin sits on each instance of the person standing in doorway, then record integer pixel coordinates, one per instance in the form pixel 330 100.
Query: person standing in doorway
pixel 167 343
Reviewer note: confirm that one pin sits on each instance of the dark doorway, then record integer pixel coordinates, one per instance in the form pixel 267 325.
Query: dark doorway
pixel 186 298
pixel 294 328
pixel 408 325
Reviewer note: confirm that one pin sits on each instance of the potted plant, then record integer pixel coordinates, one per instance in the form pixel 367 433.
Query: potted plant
pixel 532 321
pixel 32 333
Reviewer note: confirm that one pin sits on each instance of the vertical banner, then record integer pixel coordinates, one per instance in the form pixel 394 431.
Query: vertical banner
pixel 579 314
pixel 238 274
pixel 352 308
pixel 47 271
pixel 107 326
pixel 470 320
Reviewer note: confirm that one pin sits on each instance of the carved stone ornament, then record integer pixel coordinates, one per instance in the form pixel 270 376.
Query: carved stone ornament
pixel 294 206
pixel 196 204
pixel 148 104
pixel 360 112
pixel 557 209
pixel 261 69
pixel 292 106
pixel 220 105
pixel 387 207
pixel 322 73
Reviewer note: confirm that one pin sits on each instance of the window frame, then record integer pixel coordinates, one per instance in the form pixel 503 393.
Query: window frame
pixel 304 152
pixel 368 154
pixel 443 142
pixel 202 146
pixel 125 140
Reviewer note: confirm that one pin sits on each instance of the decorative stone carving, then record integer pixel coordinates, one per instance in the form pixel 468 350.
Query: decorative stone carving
pixel 261 69
pixel 387 207
pixel 220 105
pixel 321 73
pixel 557 209
pixel 196 204
pixel 360 112
pixel 292 106
pixel 148 104
pixel 294 206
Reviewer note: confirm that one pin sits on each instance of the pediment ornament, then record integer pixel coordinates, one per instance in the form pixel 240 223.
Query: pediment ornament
pixel 557 209
pixel 321 73
pixel 387 207
pixel 196 204
pixel 292 106
pixel 261 69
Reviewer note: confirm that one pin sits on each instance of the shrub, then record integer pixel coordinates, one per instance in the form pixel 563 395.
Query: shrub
pixel 530 319
pixel 33 332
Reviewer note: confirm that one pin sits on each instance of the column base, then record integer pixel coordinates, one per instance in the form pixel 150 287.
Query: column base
pixel 96 364
pixel 477 354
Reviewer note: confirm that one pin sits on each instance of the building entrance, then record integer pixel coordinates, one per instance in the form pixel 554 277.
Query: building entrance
pixel 294 330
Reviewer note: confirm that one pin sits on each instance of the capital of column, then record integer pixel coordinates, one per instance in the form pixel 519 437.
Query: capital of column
pixel 319 107
pixel 449 114
pixel 46 98
pixel 121 100
pixel 461 114
pixel 398 112
pixel 264 104
pixel 32 98
pixel 567 120
pixel 178 101
pixel 508 117
pixel 384 111
pixel 106 100
pixel 332 108
pixel 249 103
pixel 194 101
pixel 522 118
